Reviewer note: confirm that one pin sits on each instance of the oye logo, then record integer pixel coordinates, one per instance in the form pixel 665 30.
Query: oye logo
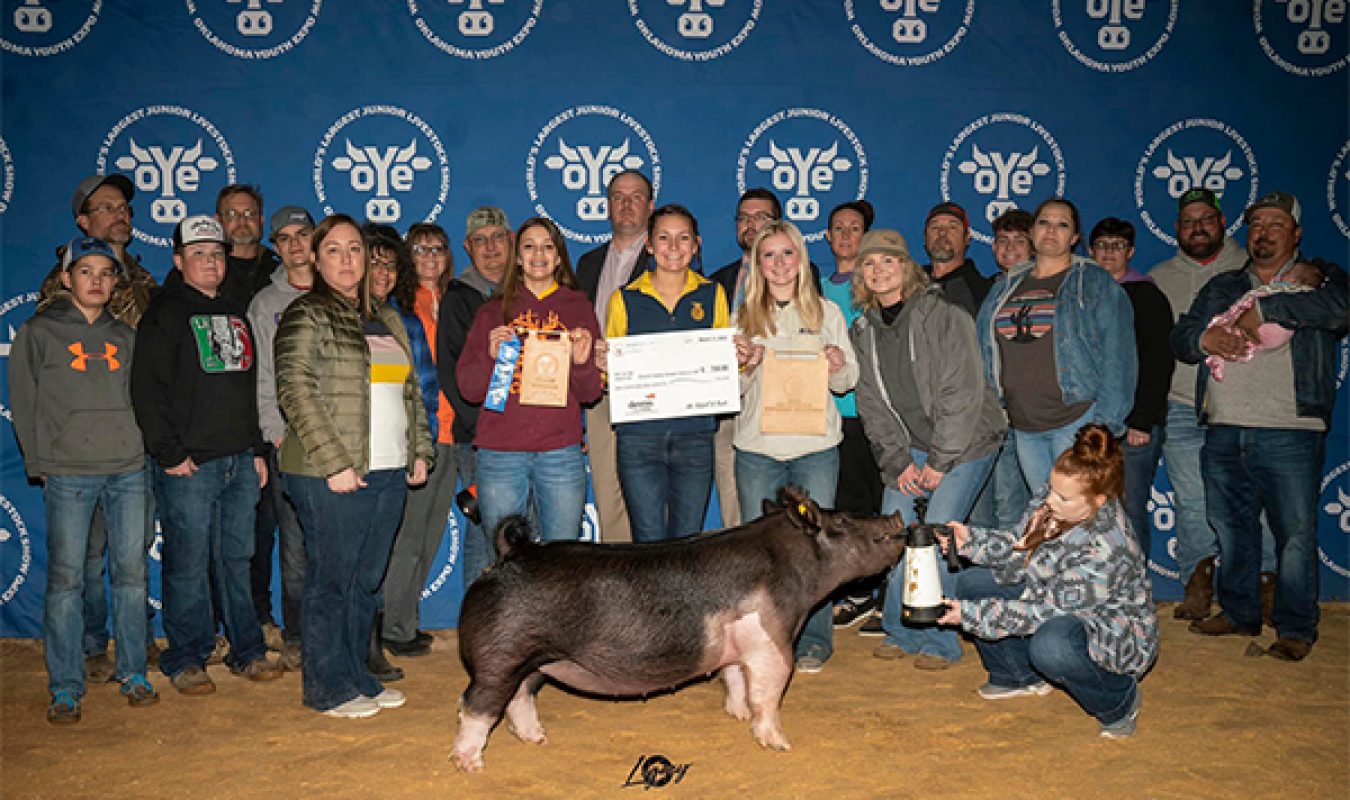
pixel 1338 189
pixel 1335 502
pixel 579 151
pixel 694 30
pixel 13 537
pixel 7 163
pixel 47 27
pixel 1002 161
pixel 909 33
pixel 13 313
pixel 812 158
pixel 254 29
pixel 452 550
pixel 171 162
pixel 1192 154
pixel 381 152
pixel 475 29
pixel 1113 35
pixel 1162 513
pixel 1304 37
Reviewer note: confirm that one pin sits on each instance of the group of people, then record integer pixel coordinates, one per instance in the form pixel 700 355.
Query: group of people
pixel 334 393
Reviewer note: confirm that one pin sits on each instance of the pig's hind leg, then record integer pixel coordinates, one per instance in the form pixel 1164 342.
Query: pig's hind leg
pixel 738 704
pixel 521 714
pixel 480 708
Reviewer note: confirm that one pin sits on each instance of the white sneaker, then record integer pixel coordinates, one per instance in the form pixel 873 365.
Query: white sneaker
pixel 991 691
pixel 355 708
pixel 389 698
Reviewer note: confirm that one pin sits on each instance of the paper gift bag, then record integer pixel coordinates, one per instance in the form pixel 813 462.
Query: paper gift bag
pixel 794 390
pixel 546 363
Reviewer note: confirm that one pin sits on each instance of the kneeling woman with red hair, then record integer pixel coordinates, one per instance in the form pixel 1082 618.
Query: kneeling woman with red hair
pixel 1067 599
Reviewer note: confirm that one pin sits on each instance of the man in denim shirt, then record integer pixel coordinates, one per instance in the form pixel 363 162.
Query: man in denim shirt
pixel 1267 424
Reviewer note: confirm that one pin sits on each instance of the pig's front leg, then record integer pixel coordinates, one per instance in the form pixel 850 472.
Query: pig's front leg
pixel 768 672
pixel 522 715
pixel 737 704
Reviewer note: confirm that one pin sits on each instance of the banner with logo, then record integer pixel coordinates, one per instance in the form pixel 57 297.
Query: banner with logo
pixel 429 108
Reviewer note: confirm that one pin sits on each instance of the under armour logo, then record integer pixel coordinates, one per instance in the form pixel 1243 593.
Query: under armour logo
pixel 81 361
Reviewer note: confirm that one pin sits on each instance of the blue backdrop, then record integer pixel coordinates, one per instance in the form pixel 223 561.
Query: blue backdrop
pixel 424 110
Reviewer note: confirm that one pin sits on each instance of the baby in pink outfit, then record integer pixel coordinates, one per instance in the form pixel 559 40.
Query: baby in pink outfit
pixel 1298 278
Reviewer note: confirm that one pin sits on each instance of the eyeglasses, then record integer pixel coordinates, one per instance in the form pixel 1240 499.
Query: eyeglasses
pixel 760 217
pixel 1110 245
pixel 386 264
pixel 108 208
pixel 1196 222
pixel 428 249
pixel 237 214
pixel 481 239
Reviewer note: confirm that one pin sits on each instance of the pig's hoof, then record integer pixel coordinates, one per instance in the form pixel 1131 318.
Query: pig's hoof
pixel 772 740
pixel 468 761
pixel 533 733
pixel 740 711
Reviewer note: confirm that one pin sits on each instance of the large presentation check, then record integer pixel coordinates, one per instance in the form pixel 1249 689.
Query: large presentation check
pixel 669 375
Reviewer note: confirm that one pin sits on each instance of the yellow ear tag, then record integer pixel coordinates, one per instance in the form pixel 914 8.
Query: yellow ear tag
pixel 801 509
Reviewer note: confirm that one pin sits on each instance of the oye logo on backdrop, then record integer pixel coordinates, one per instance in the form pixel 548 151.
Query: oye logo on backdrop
pixel 17 546
pixel 811 159
pixel 1335 503
pixel 572 159
pixel 694 30
pixel 475 29
pixel 7 164
pixel 909 33
pixel 998 162
pixel 13 314
pixel 1113 35
pixel 1338 189
pixel 377 161
pixel 46 27
pixel 178 161
pixel 1192 154
pixel 452 550
pixel 1162 512
pixel 1308 38
pixel 254 29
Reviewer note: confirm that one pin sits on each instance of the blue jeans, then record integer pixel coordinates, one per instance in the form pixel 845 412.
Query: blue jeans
pixel 951 501
pixel 347 542
pixel 95 594
pixel 1004 497
pixel 554 479
pixel 1141 466
pixel 666 480
pixel 1182 442
pixel 208 541
pixel 1253 470
pixel 70 502
pixel 758 478
pixel 1056 652
pixel 1036 452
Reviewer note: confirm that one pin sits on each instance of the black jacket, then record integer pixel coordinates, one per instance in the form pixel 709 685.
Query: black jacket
pixel 459 304
pixel 1152 340
pixel 965 286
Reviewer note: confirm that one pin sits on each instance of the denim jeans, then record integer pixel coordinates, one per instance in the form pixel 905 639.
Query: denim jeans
pixel 208 541
pixel 1036 452
pixel 758 478
pixel 1004 497
pixel 1253 470
pixel 1141 466
pixel 425 513
pixel 95 594
pixel 70 502
pixel 1056 652
pixel 666 480
pixel 1182 442
pixel 276 515
pixel 554 479
pixel 347 542
pixel 951 501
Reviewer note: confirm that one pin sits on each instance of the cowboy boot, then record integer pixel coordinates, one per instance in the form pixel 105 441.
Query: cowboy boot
pixel 1199 592
pixel 1268 581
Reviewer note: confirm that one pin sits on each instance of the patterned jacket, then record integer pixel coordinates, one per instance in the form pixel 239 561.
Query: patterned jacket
pixel 1094 571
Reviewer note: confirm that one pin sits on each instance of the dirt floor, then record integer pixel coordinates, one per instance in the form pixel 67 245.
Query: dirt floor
pixel 1215 724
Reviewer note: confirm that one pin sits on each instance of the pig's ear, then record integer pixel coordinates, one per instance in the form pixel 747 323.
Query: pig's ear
pixel 805 514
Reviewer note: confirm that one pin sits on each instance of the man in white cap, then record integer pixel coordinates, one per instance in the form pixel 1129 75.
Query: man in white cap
pixel 1267 421
pixel 193 391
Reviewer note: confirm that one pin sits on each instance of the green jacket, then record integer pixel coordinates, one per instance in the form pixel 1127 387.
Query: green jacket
pixel 323 388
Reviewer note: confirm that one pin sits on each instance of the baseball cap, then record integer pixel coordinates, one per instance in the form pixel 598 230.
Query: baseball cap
pixel 1199 195
pixel 1282 200
pixel 950 209
pixel 290 215
pixel 485 217
pixel 198 228
pixel 82 246
pixel 91 184
pixel 883 240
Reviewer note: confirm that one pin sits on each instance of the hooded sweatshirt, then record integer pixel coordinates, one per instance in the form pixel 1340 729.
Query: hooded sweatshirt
pixel 70 390
pixel 264 314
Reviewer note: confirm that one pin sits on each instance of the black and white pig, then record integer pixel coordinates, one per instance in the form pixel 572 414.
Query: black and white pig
pixel 633 619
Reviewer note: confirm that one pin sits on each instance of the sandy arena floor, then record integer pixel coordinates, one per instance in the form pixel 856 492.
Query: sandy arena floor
pixel 1215 724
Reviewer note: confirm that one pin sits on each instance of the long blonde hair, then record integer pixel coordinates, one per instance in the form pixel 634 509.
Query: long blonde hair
pixel 756 315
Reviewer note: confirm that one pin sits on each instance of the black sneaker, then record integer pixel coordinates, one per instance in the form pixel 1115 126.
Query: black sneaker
pixel 872 627
pixel 850 611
